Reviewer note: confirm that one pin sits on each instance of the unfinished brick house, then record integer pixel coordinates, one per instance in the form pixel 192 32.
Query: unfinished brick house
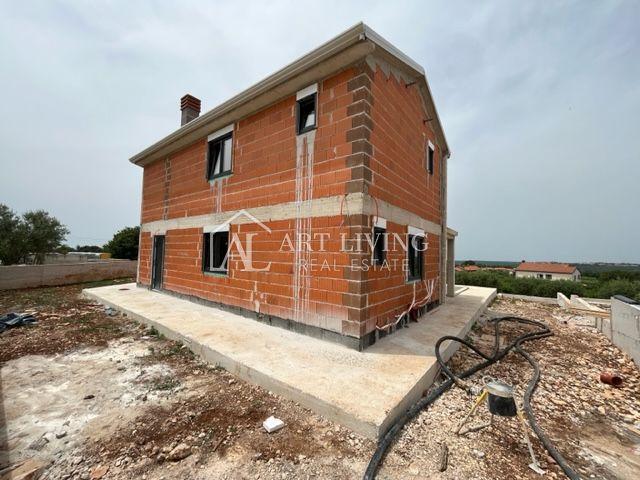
pixel 343 144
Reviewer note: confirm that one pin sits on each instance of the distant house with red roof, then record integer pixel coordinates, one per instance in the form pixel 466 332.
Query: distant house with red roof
pixel 547 271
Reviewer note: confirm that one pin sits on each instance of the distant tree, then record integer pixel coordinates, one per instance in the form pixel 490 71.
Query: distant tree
pixel 88 248
pixel 625 287
pixel 124 244
pixel 63 249
pixel 506 283
pixel 13 244
pixel 619 275
pixel 44 233
pixel 467 263
pixel 36 233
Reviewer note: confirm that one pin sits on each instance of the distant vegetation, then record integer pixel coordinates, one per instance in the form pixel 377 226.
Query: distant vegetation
pixel 124 244
pixel 591 269
pixel 603 284
pixel 487 263
pixel 88 248
pixel 29 237
pixel 595 269
pixel 34 233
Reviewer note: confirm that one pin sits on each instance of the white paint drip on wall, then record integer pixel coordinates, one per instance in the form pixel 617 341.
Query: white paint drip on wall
pixel 217 187
pixel 220 185
pixel 303 201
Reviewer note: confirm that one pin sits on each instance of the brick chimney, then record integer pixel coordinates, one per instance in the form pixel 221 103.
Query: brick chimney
pixel 190 108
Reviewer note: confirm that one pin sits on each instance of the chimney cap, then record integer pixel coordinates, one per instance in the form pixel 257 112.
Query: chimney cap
pixel 190 108
pixel 189 101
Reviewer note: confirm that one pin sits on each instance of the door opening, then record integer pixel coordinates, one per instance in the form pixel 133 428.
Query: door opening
pixel 158 262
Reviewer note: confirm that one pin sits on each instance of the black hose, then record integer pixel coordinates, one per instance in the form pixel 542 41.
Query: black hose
pixel 562 463
pixel 389 436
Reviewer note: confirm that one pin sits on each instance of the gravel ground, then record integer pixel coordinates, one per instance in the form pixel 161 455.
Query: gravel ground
pixel 596 427
pixel 126 403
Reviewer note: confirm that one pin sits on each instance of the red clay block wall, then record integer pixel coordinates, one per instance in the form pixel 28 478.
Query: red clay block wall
pixel 399 176
pixel 144 258
pixel 265 292
pixel 264 161
pixel 264 173
pixel 370 139
pixel 399 142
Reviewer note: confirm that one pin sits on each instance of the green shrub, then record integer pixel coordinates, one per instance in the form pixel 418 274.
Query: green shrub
pixel 627 288
pixel 619 275
pixel 591 287
pixel 124 244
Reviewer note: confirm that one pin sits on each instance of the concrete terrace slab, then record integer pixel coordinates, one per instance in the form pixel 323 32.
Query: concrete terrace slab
pixel 364 391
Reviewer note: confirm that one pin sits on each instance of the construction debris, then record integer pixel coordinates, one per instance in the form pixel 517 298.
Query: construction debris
pixel 65 322
pixel 13 320
pixel 444 457
pixel 39 443
pixel 611 379
pixel 272 424
pixel 98 472
pixel 180 452
pixel 29 469
pixel 138 416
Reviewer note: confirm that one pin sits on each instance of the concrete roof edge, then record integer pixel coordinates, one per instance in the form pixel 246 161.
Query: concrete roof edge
pixel 382 43
pixel 356 34
pixel 408 61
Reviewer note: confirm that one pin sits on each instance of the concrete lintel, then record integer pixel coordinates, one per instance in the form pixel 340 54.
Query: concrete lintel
pixel 399 215
pixel 319 207
pixel 353 204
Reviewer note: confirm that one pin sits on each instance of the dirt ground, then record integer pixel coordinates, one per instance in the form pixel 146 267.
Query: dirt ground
pixel 92 394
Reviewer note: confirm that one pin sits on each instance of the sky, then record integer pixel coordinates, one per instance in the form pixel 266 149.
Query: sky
pixel 539 102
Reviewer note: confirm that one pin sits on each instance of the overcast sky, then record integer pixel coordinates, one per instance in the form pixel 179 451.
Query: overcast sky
pixel 539 101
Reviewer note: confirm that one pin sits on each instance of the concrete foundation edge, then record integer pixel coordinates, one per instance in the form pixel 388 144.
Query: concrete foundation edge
pixel 286 324
pixel 429 376
pixel 369 430
pixel 329 411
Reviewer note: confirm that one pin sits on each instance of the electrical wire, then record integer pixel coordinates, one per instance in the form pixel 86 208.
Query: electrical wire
pixel 497 354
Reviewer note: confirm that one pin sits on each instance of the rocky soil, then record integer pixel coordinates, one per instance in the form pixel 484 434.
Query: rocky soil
pixel 93 395
pixel 596 427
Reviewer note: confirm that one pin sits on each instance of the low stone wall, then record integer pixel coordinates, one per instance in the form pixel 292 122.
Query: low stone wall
pixel 27 276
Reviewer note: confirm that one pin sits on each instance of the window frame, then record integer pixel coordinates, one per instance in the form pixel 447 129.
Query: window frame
pixel 219 140
pixel 379 251
pixel 420 259
pixel 431 158
pixel 223 270
pixel 299 101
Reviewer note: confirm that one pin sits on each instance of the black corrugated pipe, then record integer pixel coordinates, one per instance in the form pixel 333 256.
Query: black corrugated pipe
pixel 542 332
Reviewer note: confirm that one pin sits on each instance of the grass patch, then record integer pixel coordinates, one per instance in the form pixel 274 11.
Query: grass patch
pixel 153 332
pixel 177 349
pixel 106 283
pixel 165 383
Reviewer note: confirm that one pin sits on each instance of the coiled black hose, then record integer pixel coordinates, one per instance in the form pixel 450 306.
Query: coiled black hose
pixel 542 332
